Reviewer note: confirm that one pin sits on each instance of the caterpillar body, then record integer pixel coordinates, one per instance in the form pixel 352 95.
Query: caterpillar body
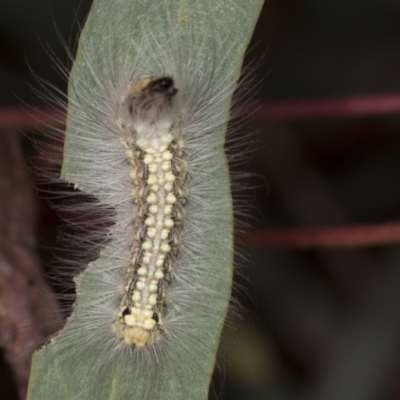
pixel 146 124
pixel 153 144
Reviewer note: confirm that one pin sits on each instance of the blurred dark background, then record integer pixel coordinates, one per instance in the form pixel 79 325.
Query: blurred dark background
pixel 326 322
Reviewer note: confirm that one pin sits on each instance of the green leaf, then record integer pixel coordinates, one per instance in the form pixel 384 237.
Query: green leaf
pixel 207 37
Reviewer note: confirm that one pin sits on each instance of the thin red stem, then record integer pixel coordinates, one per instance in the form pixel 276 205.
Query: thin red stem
pixel 352 106
pixel 341 236
pixel 18 118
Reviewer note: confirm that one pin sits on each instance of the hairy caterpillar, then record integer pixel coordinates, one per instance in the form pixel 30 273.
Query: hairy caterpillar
pixel 151 135
pixel 148 107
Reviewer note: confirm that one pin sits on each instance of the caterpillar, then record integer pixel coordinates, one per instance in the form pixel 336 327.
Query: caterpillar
pixel 152 139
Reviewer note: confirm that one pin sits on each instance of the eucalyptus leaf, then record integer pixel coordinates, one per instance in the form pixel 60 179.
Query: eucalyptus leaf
pixel 122 37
